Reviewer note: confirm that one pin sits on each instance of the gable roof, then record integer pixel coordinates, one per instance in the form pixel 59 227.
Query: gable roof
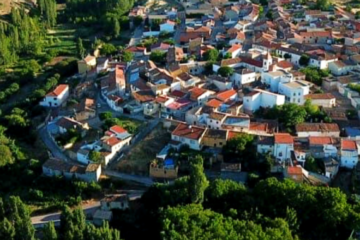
pixel 320 140
pixel 317 127
pixel 347 144
pixel 225 95
pixel 60 89
pixel 283 138
pixel 188 131
pixel 117 129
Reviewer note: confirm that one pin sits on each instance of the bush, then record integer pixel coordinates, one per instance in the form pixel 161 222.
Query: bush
pixel 105 115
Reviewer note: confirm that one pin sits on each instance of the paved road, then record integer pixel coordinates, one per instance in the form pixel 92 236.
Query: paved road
pixel 128 177
pixel 89 210
pixel 50 144
pixel 40 221
pixel 136 38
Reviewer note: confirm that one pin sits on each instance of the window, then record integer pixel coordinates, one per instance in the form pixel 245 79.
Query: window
pixel 280 154
pixel 220 143
pixel 299 94
pixel 294 94
pixel 211 121
pixel 192 141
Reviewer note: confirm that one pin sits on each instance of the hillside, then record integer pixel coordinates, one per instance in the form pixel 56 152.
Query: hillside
pixel 6 5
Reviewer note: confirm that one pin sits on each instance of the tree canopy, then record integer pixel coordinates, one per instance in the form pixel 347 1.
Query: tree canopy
pixel 226 71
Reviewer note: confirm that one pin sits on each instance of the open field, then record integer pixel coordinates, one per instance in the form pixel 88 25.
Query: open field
pixel 140 156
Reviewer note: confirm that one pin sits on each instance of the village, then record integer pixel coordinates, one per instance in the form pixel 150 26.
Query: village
pixel 202 78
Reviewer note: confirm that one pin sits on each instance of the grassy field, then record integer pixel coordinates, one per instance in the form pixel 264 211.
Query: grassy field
pixel 140 156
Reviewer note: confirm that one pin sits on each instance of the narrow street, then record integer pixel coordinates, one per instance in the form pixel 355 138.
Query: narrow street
pixel 51 146
pixel 136 38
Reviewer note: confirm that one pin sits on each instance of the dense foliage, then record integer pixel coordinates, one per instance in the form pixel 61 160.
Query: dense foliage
pixel 291 114
pixel 110 14
pixel 271 210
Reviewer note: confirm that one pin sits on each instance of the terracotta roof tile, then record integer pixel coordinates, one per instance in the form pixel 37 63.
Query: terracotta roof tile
pixel 58 90
pixel 188 131
pixel 348 144
pixel 283 138
pixel 317 127
pixel 320 140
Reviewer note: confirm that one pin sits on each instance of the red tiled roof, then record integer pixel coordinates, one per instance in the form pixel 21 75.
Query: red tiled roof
pixel 58 90
pixel 214 103
pixel 348 144
pixel 258 126
pixel 188 131
pixel 225 95
pixel 320 96
pixel 196 93
pixel 177 93
pixel 285 64
pixel 233 134
pixel 234 48
pixel 283 138
pixel 317 127
pixel 320 140
pixel 112 141
pixel 316 34
pixel 117 129
pixel 294 170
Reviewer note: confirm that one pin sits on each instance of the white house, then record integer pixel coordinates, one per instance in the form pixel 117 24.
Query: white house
pixel 222 83
pixel 188 135
pixel 283 146
pixel 234 50
pixel 215 120
pixel 272 79
pixel 317 130
pixel 236 123
pixel 57 97
pixel 265 145
pixel 322 99
pixel 316 61
pixel 243 76
pixel 168 26
pixel 348 153
pixel 55 167
pixel 341 67
pixel 295 91
pixel 102 64
pixel 261 98
pixel 200 95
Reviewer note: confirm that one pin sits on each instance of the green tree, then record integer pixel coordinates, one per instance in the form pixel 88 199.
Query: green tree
pixel 105 115
pixel 138 20
pixel 7 230
pixel 158 56
pixel 80 48
pixel 292 114
pixel 95 156
pixel 323 4
pixel 304 60
pixel 287 56
pixel 127 56
pixel 197 181
pixel 49 232
pixel 116 27
pixel 192 220
pixel 227 56
pixel 226 71
pixel 6 156
pixel 238 148
pixel 211 55
pixel 108 49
